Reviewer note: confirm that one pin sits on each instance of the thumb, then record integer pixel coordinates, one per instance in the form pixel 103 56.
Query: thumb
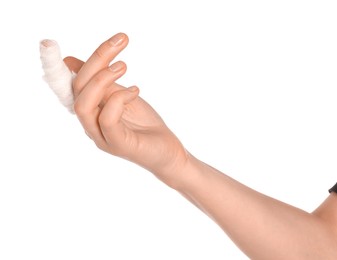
pixel 112 111
pixel 114 107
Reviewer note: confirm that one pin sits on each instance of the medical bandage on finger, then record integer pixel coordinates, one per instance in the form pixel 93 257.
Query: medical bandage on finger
pixel 57 75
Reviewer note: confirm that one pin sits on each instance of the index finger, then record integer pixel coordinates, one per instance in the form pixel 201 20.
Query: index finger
pixel 99 60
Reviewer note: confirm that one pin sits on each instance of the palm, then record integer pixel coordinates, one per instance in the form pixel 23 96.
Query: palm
pixel 144 138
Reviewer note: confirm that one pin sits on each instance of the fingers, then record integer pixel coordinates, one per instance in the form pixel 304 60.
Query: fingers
pixel 110 117
pixel 73 63
pixel 57 74
pixel 87 104
pixel 99 60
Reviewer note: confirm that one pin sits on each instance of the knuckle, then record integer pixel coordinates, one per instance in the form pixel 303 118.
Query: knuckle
pixel 120 98
pixel 117 97
pixel 80 108
pixel 100 146
pixel 98 79
pixel 99 53
pixel 88 134
pixel 76 83
pixel 104 122
pixel 102 50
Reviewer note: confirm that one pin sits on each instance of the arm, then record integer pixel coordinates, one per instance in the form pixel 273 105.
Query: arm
pixel 262 227
pixel 123 124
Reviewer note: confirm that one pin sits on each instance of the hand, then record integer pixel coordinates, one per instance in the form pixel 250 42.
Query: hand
pixel 118 120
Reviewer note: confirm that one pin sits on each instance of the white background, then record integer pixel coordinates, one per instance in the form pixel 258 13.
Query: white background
pixel 248 86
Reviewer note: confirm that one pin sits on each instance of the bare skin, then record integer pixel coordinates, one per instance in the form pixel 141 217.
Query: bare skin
pixel 124 125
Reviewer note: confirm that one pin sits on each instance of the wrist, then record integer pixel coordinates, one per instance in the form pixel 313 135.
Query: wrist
pixel 183 173
pixel 172 172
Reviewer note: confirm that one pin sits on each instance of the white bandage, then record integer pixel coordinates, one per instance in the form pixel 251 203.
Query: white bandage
pixel 57 75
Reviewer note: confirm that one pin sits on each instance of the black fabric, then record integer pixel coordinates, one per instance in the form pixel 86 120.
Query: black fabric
pixel 333 189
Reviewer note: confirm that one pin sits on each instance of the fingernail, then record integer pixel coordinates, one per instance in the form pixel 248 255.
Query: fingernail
pixel 133 88
pixel 47 43
pixel 117 39
pixel 116 67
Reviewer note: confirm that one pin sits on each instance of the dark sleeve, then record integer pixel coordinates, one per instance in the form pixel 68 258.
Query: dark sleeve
pixel 333 189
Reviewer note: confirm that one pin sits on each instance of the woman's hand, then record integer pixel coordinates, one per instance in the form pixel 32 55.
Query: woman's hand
pixel 118 120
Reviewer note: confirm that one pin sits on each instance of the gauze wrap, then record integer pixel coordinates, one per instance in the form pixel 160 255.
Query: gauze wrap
pixel 57 75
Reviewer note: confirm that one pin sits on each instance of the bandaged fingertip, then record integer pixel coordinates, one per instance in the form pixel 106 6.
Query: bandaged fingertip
pixel 56 73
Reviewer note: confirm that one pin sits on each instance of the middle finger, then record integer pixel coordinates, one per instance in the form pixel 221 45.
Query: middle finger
pixel 99 60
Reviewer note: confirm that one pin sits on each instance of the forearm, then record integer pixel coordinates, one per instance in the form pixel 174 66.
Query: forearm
pixel 262 227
